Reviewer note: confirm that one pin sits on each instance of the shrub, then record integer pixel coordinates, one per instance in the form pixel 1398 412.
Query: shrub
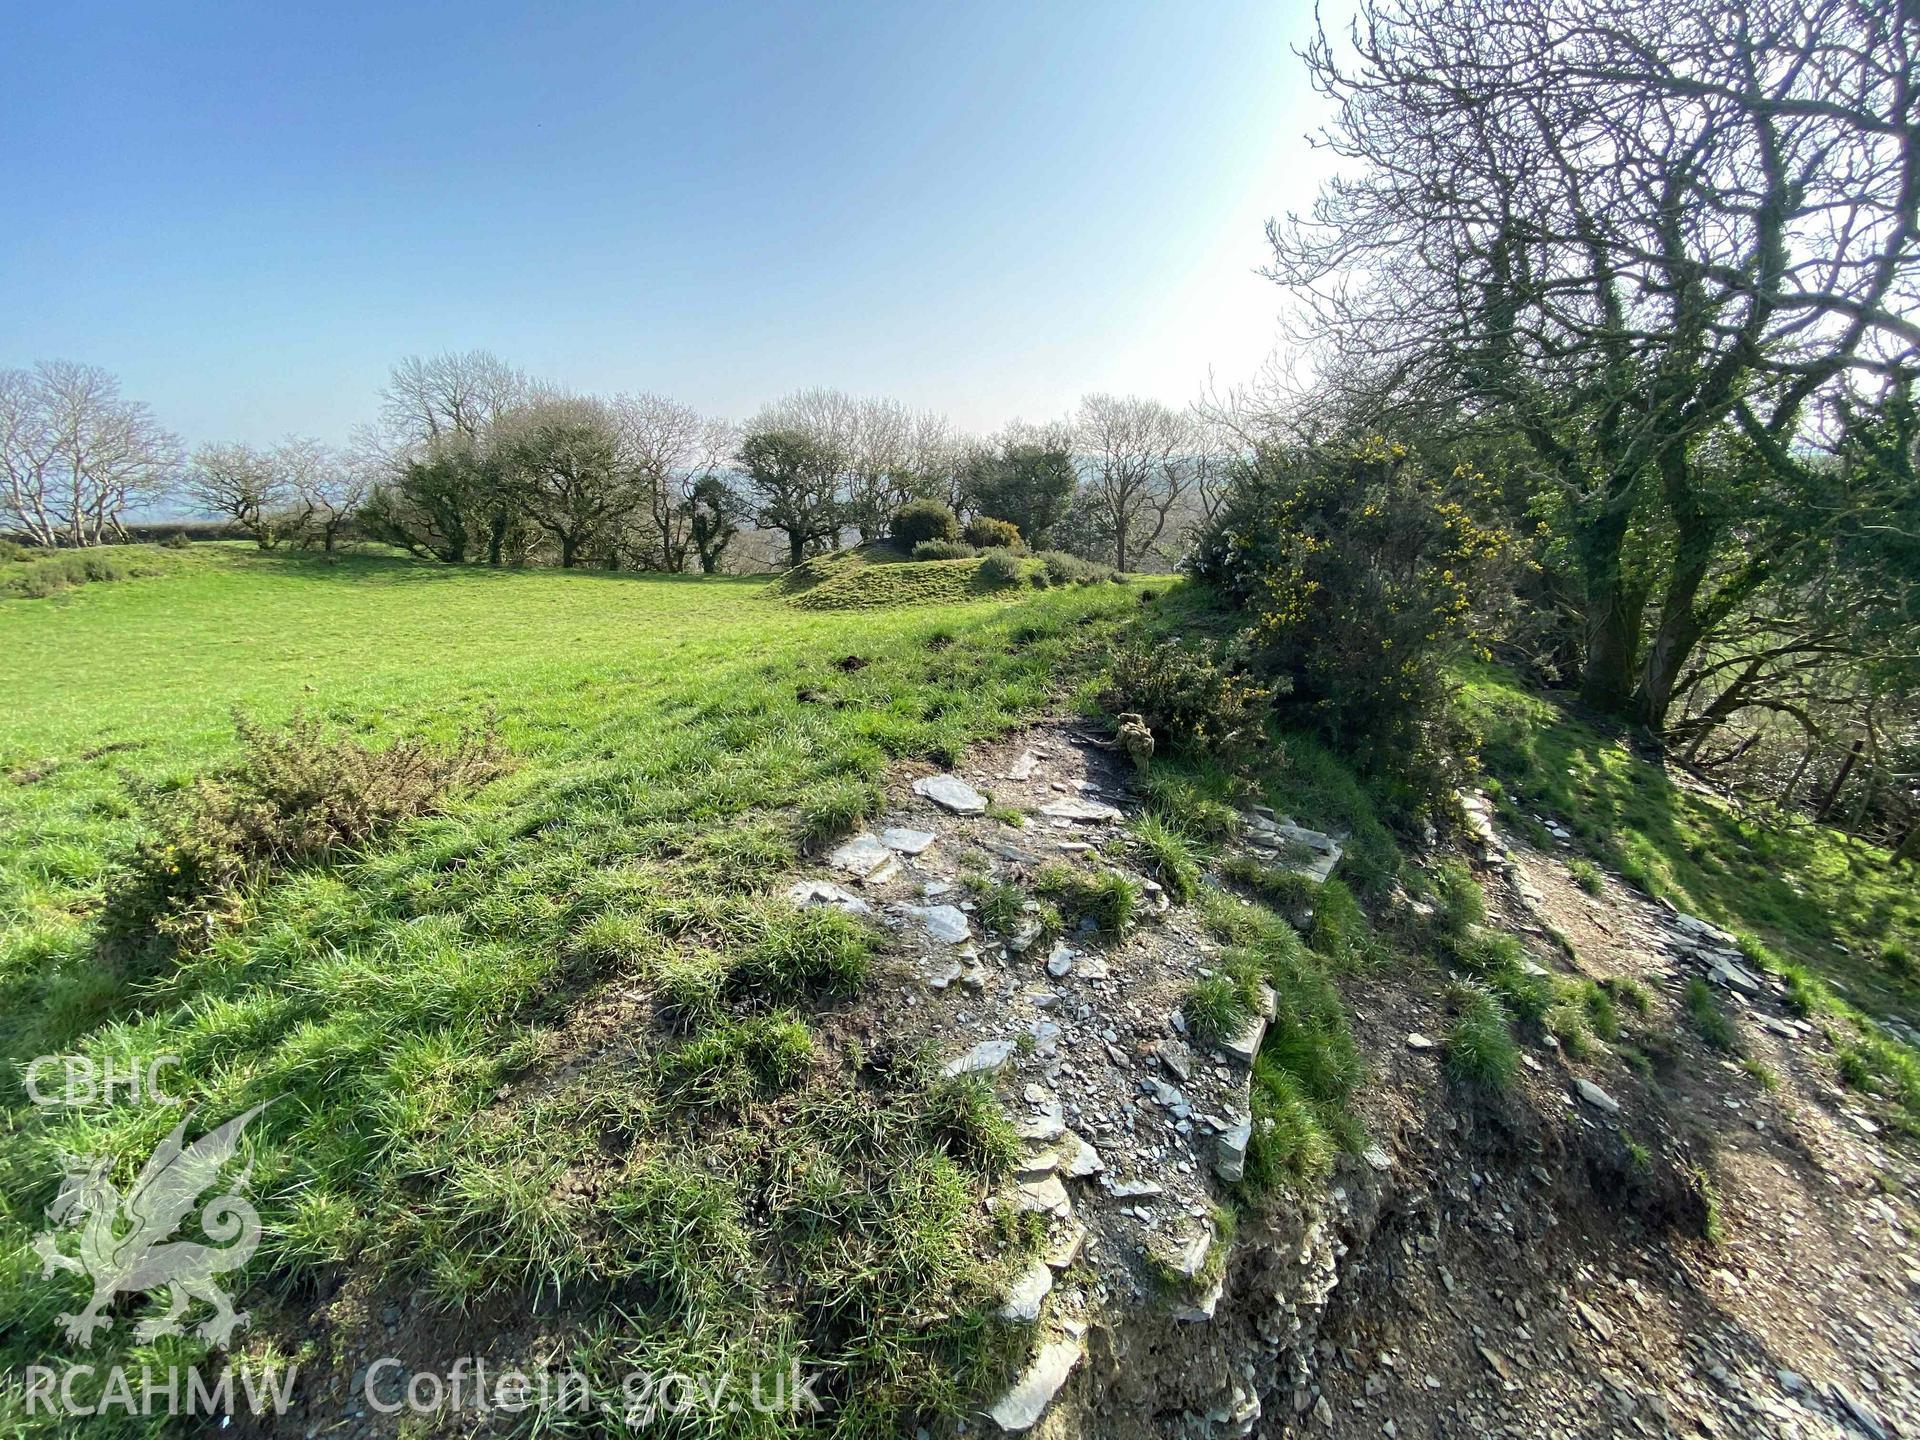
pixel 178 540
pixel 1060 568
pixel 987 533
pixel 943 550
pixel 1187 697
pixel 1001 568
pixel 919 520
pixel 295 796
pixel 1356 568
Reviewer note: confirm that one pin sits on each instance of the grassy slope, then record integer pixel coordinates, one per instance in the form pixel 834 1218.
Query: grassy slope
pixel 1805 892
pixel 726 1195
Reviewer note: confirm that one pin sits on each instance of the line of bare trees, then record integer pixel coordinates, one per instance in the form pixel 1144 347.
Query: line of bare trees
pixel 471 460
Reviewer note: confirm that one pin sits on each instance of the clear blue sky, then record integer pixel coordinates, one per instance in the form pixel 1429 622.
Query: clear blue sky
pixel 249 211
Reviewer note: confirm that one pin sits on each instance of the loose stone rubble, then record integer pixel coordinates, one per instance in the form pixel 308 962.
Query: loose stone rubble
pixel 1130 1127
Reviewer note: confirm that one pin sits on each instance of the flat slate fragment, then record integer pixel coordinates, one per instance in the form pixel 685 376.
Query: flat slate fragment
pixel 862 855
pixel 952 793
pixel 988 1055
pixel 1086 811
pixel 943 922
pixel 1022 1406
pixel 806 893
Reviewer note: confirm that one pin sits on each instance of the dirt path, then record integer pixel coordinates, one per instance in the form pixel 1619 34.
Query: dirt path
pixel 1527 1288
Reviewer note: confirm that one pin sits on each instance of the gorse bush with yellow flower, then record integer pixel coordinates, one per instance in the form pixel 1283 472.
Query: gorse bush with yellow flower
pixel 1358 570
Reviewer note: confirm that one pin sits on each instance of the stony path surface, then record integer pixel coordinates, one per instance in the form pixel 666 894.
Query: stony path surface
pixel 1516 1291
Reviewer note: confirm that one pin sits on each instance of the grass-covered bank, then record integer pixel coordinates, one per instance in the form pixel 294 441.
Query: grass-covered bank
pixel 1832 914
pixel 1809 894
pixel 740 1192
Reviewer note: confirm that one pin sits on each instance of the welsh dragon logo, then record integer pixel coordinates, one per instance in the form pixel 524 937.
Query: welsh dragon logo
pixel 126 1243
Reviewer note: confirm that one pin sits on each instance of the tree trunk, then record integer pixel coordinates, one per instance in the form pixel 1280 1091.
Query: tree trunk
pixel 1832 797
pixel 568 545
pixel 1613 609
pixel 1673 644
pixel 1120 542
pixel 1681 624
pixel 496 539
pixel 1909 846
pixel 796 549
pixel 1612 637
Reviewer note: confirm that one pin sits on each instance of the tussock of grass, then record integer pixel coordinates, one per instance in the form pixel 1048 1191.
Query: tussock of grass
pixel 730 1062
pixel 1630 993
pixel 1308 1065
pixel 1479 1044
pixel 1459 903
pixel 1709 1020
pixel 1327 914
pixel 1000 905
pixel 1170 854
pixel 1587 876
pixel 1220 1005
pixel 1107 898
pixel 834 807
pixel 1882 1066
pixel 1196 799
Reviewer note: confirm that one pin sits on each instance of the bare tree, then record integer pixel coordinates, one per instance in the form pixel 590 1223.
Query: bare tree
pixel 453 393
pixel 327 488
pixel 244 484
pixel 74 456
pixel 1615 228
pixel 886 452
pixel 670 447
pixel 1139 462
pixel 1218 449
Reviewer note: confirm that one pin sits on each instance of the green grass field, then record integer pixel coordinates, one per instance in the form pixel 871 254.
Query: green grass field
pixel 733 1191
